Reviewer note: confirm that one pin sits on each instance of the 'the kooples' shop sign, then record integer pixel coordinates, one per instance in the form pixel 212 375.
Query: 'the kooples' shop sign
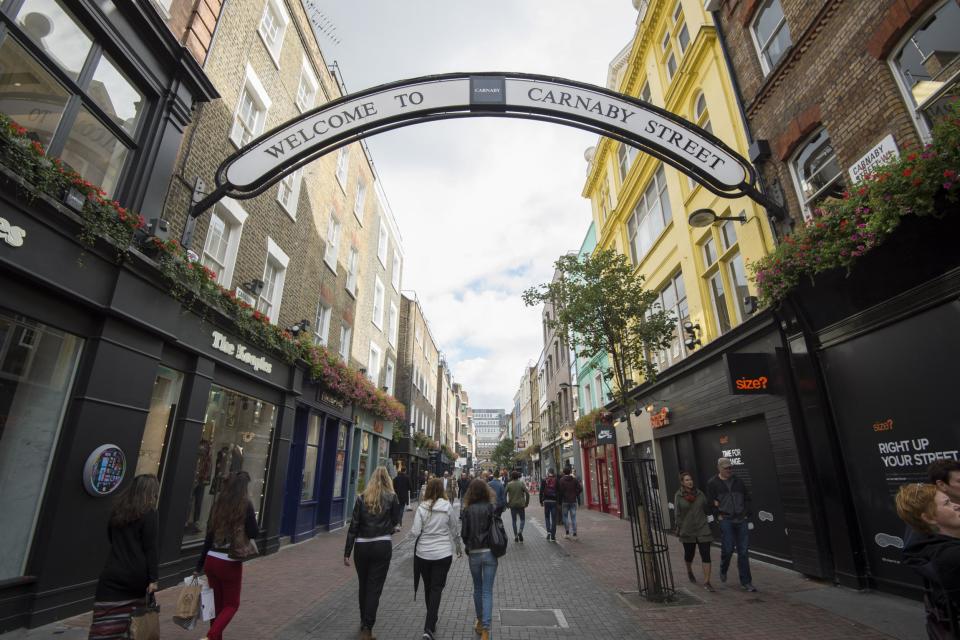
pixel 238 351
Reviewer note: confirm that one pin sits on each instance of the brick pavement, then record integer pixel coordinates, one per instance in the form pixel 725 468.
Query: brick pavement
pixel 304 591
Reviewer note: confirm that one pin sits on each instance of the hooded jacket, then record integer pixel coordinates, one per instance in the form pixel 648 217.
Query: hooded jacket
pixel 937 558
pixel 438 529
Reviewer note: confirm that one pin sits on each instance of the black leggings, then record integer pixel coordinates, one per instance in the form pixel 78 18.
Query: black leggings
pixel 690 548
pixel 372 561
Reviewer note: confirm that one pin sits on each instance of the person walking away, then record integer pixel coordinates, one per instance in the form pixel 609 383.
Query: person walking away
pixel 376 517
pixel 730 502
pixel 500 490
pixel 131 570
pixel 569 490
pixel 476 521
pixel 518 498
pixel 548 500
pixel 449 487
pixel 462 485
pixel 401 486
pixel 232 512
pixel 693 530
pixel 437 532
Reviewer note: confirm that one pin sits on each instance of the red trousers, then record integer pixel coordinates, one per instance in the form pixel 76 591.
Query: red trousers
pixel 224 577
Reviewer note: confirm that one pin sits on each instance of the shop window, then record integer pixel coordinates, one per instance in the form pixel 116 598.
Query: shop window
pixel 308 483
pixel 332 252
pixel 771 35
pixel 360 198
pixel 346 336
pixel 37 368
pixel 650 217
pixel 307 88
pixel 91 119
pixel 383 243
pixel 223 240
pixel 321 326
pixel 273 26
pixel 816 172
pixel 163 411
pixel 378 296
pixel 927 66
pixel 341 461
pixel 343 166
pixel 394 326
pixel 274 274
pixel 236 436
pixel 288 192
pixel 352 264
pixel 397 269
pixel 250 115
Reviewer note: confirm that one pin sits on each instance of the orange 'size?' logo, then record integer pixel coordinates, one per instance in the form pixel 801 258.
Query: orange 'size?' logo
pixel 750 384
pixel 886 425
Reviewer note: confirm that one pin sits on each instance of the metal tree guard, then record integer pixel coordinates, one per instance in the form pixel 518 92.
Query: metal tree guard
pixel 650 553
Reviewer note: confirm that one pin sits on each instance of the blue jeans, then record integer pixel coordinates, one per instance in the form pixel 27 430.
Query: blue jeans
pixel 735 534
pixel 569 510
pixel 550 516
pixel 483 568
pixel 514 512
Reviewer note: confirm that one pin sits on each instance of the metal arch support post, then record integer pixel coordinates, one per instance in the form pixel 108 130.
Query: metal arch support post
pixel 774 209
pixel 199 203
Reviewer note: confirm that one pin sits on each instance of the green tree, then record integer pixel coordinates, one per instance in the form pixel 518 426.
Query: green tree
pixel 600 305
pixel 503 455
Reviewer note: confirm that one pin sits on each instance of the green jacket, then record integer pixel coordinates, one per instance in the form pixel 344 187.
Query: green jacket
pixel 692 523
pixel 517 494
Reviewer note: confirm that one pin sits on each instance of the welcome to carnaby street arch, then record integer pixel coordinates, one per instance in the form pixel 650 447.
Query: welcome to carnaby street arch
pixel 277 153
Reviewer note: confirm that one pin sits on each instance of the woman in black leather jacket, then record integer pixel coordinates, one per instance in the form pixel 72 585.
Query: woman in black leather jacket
pixel 477 519
pixel 376 517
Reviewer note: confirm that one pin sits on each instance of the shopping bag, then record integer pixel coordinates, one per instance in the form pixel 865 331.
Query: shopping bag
pixel 145 621
pixel 188 603
pixel 208 609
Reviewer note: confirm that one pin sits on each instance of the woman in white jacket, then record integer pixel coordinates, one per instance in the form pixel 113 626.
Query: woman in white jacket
pixel 436 528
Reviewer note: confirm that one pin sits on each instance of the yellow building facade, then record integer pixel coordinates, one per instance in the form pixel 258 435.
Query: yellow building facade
pixel 640 204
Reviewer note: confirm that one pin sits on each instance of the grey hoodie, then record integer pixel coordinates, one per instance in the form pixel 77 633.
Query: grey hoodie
pixel 438 528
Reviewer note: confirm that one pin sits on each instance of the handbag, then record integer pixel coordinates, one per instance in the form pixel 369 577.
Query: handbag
pixel 242 546
pixel 145 620
pixel 498 537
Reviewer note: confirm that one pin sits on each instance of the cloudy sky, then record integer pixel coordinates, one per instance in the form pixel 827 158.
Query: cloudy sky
pixel 484 206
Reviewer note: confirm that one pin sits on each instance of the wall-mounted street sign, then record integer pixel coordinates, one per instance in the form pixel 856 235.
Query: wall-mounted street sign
pixel 752 373
pixel 883 151
pixel 692 150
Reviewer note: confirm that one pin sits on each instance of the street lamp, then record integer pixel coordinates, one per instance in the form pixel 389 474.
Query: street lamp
pixel 707 217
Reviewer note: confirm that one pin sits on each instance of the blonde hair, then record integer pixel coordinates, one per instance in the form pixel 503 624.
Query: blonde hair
pixel 380 484
pixel 915 501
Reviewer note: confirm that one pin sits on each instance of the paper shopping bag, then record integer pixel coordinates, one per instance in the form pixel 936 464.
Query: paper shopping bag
pixel 145 621
pixel 187 611
pixel 208 609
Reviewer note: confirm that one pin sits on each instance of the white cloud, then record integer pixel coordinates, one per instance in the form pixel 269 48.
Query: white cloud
pixel 485 206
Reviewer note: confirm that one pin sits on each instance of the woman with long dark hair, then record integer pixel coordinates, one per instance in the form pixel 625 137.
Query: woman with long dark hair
pixel 436 532
pixel 692 527
pixel 232 522
pixel 131 570
pixel 376 517
pixel 476 522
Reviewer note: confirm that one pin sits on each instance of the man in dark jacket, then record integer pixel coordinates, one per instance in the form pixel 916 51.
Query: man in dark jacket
pixel 568 490
pixel 462 484
pixel 548 500
pixel 730 502
pixel 401 486
pixel 501 490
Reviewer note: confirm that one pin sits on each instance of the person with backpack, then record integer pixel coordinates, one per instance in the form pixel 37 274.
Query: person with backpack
pixel 569 490
pixel 548 500
pixel 518 498
pixel 476 524
pixel 436 529
pixel 231 517
pixel 376 517
pixel 130 572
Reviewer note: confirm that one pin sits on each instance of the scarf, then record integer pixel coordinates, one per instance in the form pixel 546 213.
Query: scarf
pixel 689 496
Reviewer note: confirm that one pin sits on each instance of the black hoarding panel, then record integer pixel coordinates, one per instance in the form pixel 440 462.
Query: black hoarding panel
pixel 893 393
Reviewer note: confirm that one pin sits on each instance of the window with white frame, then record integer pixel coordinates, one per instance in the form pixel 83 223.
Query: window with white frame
pixel 373 363
pixel 626 154
pixel 250 115
pixel 383 244
pixel 288 192
pixel 378 295
pixel 307 88
pixel 274 273
pixel 395 274
pixel 673 299
pixel 927 65
pixel 353 263
pixel 701 117
pixel 418 335
pixel 598 384
pixel 273 27
pixel 394 325
pixel 360 198
pixel 346 338
pixel 332 252
pixel 650 216
pixel 816 172
pixel 321 326
pixel 738 281
pixel 388 376
pixel 587 398
pixel 223 240
pixel 683 38
pixel 343 166
pixel 718 295
pixel 770 33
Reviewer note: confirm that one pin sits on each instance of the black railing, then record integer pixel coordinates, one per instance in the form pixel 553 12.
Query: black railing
pixel 650 553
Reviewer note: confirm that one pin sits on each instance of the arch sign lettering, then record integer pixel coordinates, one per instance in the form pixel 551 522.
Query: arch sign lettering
pixel 690 149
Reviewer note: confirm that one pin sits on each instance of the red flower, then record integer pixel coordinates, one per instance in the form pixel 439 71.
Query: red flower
pixel 949 173
pixel 907 172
